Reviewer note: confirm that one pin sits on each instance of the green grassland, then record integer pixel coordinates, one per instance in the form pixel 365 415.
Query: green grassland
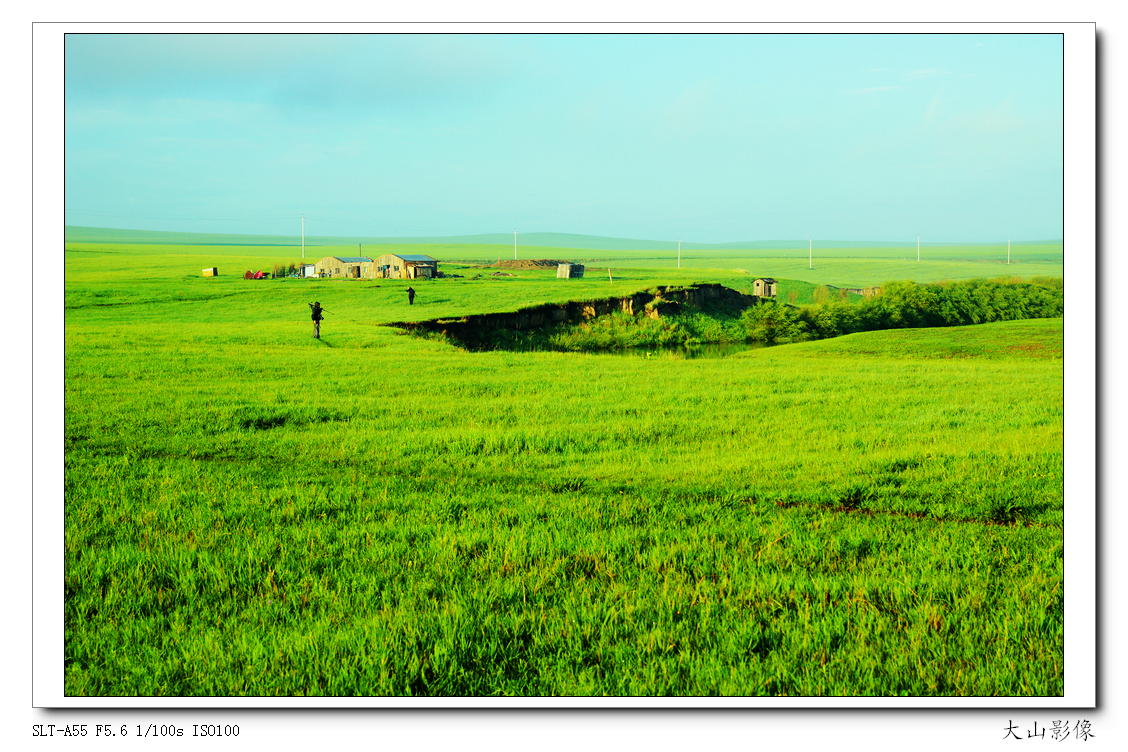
pixel 251 511
pixel 845 265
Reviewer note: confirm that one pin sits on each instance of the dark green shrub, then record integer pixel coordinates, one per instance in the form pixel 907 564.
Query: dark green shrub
pixel 774 323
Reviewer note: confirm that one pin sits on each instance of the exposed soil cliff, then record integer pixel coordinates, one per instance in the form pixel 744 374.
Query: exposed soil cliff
pixel 471 331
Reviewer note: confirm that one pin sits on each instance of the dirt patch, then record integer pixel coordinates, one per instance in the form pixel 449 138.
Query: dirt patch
pixel 528 264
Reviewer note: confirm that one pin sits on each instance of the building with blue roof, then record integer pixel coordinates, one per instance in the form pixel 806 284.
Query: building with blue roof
pixel 388 266
pixel 343 267
pixel 405 266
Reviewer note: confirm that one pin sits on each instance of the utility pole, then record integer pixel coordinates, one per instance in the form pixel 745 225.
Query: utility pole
pixel 679 253
pixel 1008 253
pixel 303 236
pixel 514 245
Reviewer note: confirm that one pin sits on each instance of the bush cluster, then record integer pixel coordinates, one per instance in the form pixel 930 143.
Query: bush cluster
pixel 905 304
pixel 619 331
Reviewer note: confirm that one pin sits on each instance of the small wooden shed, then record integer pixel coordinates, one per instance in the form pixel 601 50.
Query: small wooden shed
pixel 764 287
pixel 569 271
pixel 211 271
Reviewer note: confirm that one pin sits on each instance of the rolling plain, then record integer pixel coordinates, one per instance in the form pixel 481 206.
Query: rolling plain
pixel 253 512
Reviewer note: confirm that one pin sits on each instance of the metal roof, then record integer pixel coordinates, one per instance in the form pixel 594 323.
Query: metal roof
pixel 352 259
pixel 413 257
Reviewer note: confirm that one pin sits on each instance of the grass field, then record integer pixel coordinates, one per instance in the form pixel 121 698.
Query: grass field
pixel 842 265
pixel 250 511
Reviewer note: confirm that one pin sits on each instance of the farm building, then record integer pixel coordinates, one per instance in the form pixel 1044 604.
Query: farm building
pixel 405 266
pixel 765 287
pixel 307 270
pixel 211 272
pixel 344 267
pixel 569 271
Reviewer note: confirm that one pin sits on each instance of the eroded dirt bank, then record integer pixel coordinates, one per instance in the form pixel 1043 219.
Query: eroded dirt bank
pixel 472 331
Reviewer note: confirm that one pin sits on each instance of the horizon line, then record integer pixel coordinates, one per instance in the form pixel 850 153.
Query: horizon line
pixel 404 238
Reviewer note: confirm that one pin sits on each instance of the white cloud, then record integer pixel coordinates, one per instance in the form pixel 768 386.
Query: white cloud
pixel 926 73
pixel 692 111
pixel 873 90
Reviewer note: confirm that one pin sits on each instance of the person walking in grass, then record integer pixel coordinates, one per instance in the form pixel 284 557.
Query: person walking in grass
pixel 410 296
pixel 316 316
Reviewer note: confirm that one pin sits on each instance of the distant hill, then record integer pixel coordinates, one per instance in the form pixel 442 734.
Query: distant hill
pixel 76 234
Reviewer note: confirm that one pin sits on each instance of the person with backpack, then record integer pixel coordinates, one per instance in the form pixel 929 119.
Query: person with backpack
pixel 316 316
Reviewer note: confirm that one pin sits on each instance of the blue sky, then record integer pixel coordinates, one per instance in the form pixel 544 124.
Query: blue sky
pixel 957 138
